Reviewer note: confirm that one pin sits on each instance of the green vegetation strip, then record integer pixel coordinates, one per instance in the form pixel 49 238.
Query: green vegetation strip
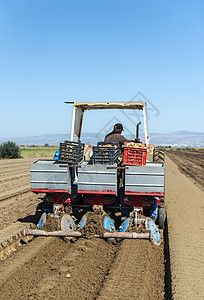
pixel 27 152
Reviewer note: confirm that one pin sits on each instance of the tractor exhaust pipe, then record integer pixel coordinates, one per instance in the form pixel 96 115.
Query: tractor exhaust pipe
pixel 122 235
pixel 137 133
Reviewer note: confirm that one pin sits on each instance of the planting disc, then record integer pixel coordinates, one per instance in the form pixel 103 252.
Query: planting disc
pixel 108 224
pixel 83 221
pixel 154 235
pixel 42 221
pixel 67 223
pixel 124 226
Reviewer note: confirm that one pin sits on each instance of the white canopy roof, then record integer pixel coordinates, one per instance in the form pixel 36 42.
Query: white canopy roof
pixel 110 105
pixel 80 107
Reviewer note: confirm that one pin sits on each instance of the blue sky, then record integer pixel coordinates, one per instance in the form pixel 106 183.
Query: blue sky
pixel 56 51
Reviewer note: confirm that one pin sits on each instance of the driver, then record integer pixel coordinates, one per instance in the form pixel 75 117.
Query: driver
pixel 116 137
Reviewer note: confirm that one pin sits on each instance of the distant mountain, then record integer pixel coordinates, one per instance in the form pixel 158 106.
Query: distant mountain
pixel 177 139
pixel 39 140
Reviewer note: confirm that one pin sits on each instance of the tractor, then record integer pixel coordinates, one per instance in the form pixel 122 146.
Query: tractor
pixel 87 179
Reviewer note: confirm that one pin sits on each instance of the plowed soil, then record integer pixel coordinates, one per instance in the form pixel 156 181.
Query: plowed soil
pixel 90 268
pixel 136 273
pixel 86 269
pixel 17 203
pixel 190 163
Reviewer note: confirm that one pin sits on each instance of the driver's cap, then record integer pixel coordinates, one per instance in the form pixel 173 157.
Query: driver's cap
pixel 118 126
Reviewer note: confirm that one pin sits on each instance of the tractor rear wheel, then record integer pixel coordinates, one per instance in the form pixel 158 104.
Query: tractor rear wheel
pixel 158 156
pixel 161 217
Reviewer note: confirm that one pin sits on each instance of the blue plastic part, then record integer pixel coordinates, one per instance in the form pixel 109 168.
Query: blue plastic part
pixel 155 235
pixel 82 222
pixel 56 156
pixel 39 225
pixel 42 221
pixel 108 224
pixel 69 226
pixel 124 226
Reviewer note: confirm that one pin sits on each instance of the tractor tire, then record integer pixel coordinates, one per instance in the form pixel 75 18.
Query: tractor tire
pixel 161 217
pixel 158 156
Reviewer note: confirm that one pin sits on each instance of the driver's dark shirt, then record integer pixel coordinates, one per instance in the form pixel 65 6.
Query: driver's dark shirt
pixel 116 138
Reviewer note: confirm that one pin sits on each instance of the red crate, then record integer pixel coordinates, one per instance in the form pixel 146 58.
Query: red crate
pixel 135 156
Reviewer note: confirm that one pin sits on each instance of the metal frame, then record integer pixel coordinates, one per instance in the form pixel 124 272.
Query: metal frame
pixel 147 138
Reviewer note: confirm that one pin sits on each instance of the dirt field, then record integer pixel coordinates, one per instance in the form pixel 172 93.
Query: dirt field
pixel 185 213
pixel 190 163
pixel 16 200
pixel 51 268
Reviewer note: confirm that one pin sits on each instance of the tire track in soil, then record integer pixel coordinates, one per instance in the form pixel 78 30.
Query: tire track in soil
pixel 136 273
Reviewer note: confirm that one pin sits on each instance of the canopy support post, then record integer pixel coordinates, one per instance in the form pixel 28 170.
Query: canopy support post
pixel 73 122
pixel 145 126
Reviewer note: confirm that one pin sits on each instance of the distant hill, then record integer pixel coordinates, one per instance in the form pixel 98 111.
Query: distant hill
pixel 39 140
pixel 177 139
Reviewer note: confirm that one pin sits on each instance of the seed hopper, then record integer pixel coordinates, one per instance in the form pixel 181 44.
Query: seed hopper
pixel 76 183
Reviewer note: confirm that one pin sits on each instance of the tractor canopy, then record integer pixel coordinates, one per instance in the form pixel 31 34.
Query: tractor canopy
pixel 80 107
